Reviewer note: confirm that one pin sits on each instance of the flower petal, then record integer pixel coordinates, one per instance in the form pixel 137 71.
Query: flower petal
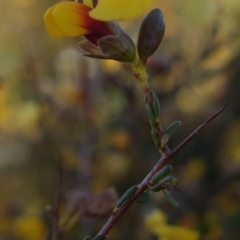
pixel 88 3
pixel 110 10
pixel 72 18
pixel 51 25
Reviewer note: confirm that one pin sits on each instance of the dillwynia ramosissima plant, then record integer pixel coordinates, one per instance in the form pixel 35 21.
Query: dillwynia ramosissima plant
pixel 102 38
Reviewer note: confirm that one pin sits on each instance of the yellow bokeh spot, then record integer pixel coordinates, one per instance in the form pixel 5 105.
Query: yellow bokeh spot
pixel 156 222
pixel 29 228
pixel 188 101
pixel 193 170
pixel 120 139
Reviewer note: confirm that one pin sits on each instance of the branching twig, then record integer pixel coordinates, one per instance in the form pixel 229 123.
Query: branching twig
pixel 165 158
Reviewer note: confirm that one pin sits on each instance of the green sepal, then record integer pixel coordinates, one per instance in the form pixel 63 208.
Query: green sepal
pixel 150 34
pixel 170 199
pixel 118 46
pixel 170 131
pixel 144 197
pixel 161 174
pixel 98 237
pixel 126 195
pixel 155 138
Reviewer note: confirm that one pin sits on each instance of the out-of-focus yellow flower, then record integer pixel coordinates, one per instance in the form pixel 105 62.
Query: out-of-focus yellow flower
pixel 89 17
pixel 29 228
pixel 156 222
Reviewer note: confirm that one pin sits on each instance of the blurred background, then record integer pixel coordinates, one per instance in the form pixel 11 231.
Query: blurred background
pixel 79 126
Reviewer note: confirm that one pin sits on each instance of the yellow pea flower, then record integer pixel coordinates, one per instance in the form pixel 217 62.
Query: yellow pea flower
pixel 71 19
pixel 110 10
pixel 157 223
pixel 90 17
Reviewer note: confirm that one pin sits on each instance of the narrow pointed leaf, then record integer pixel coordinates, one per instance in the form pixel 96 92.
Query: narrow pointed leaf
pixel 166 179
pixel 170 199
pixel 170 131
pixel 158 187
pixel 144 197
pixel 87 238
pixel 126 195
pixel 161 174
pixel 98 237
pixel 156 107
pixel 155 138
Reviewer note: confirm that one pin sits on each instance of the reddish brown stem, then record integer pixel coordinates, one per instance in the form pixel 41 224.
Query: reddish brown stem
pixel 165 158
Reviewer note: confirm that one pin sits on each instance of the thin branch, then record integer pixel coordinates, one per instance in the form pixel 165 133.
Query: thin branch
pixel 55 227
pixel 165 158
pixel 193 134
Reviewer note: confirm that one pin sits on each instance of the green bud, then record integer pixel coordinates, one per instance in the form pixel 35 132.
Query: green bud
pixel 150 34
pixel 155 138
pixel 170 199
pixel 126 195
pixel 144 197
pixel 98 237
pixel 161 174
pixel 170 131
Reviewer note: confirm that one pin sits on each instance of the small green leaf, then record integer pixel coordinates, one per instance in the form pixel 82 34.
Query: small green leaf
pixel 170 199
pixel 161 174
pixel 98 237
pixel 170 131
pixel 150 114
pixel 155 138
pixel 156 188
pixel 87 238
pixel 156 108
pixel 144 197
pixel 127 195
pixel 166 179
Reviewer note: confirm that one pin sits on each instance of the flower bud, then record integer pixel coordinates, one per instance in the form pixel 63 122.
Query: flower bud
pixel 150 34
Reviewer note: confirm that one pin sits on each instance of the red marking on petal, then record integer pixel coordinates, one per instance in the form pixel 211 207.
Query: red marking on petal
pixel 97 29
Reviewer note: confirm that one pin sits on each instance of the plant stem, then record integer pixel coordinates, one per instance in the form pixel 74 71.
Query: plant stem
pixel 165 158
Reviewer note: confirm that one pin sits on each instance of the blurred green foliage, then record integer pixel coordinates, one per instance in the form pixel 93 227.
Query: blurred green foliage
pixel 56 104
